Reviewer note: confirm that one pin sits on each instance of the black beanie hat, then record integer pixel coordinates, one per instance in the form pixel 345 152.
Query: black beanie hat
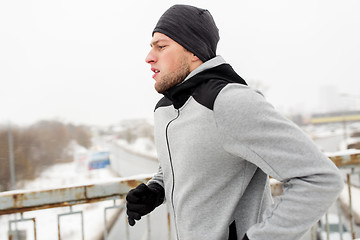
pixel 193 28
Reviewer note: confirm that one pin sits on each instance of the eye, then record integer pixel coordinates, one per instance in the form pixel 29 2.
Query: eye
pixel 161 46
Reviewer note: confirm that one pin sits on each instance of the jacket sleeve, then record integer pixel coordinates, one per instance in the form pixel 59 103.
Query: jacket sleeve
pixel 254 131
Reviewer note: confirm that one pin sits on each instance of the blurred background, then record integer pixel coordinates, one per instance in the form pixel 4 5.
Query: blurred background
pixel 74 70
pixel 73 77
pixel 84 61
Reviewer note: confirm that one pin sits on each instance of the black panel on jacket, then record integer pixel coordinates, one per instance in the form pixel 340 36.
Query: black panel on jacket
pixel 204 87
pixel 207 92
pixel 163 102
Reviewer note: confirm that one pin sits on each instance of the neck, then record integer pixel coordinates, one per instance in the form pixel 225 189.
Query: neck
pixel 195 65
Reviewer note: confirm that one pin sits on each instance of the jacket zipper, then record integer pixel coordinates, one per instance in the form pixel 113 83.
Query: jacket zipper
pixel 172 171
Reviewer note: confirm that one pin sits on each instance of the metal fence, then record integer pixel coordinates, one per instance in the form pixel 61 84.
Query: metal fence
pixel 21 201
pixel 349 163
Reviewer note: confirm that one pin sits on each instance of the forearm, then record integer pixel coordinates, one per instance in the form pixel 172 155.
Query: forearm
pixel 158 178
pixel 303 202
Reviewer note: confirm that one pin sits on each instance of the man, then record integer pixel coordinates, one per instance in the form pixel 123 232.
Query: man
pixel 218 141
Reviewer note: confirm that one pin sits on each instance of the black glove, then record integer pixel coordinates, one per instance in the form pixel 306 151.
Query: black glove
pixel 142 200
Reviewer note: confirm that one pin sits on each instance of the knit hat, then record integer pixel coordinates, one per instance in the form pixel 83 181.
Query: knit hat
pixel 193 28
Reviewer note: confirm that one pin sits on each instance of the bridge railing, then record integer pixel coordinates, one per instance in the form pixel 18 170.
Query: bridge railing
pixel 21 201
pixel 349 200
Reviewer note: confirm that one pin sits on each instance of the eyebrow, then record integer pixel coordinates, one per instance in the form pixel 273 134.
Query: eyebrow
pixel 156 42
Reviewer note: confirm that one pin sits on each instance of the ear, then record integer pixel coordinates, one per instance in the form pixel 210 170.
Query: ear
pixel 195 58
pixel 195 62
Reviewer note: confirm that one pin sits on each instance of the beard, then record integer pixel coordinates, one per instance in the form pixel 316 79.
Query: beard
pixel 172 79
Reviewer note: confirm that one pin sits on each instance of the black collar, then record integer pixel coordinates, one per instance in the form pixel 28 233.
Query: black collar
pixel 179 94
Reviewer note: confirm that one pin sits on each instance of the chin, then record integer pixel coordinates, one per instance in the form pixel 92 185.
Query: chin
pixel 159 90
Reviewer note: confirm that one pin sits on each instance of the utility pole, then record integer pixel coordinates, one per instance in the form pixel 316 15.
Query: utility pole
pixel 11 157
pixel 12 173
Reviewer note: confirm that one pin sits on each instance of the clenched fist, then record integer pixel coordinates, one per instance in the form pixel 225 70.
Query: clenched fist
pixel 142 200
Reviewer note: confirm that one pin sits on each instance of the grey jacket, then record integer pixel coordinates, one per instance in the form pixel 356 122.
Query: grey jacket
pixel 218 141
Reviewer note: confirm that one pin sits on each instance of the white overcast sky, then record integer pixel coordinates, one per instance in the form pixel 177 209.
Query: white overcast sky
pixel 82 61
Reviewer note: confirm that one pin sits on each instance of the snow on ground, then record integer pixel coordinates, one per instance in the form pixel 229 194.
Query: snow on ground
pixel 142 146
pixel 61 175
pixel 345 152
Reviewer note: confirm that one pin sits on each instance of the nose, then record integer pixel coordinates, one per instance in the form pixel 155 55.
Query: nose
pixel 150 58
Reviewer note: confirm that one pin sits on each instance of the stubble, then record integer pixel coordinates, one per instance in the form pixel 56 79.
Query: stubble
pixel 172 79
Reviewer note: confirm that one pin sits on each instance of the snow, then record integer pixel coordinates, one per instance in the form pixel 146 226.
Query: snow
pixel 346 152
pixel 61 175
pixel 142 146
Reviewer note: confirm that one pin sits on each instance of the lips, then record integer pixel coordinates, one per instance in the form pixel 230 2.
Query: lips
pixel 156 72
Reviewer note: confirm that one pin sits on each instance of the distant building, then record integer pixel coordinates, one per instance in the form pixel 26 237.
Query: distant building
pixel 331 100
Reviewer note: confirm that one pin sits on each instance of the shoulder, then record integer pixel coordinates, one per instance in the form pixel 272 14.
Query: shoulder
pixel 213 80
pixel 207 92
pixel 240 95
pixel 239 102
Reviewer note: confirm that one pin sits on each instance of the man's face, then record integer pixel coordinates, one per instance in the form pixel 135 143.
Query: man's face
pixel 169 61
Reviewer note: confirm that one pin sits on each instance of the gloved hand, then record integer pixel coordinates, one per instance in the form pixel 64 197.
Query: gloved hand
pixel 142 200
